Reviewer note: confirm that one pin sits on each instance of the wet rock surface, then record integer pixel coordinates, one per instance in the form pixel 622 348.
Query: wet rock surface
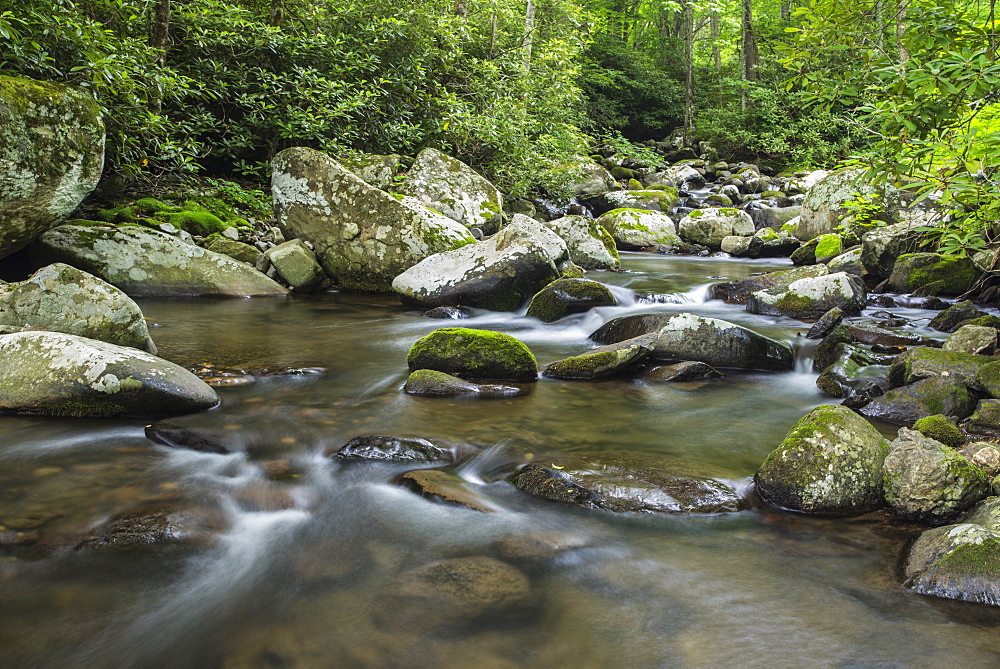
pixel 473 354
pixel 604 361
pixel 430 382
pixel 393 449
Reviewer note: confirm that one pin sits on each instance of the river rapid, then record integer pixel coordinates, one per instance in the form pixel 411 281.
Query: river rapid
pixel 298 569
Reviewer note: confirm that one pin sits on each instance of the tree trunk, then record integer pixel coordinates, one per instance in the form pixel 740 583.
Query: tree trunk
pixel 529 32
pixel 880 25
pixel 158 40
pixel 277 13
pixel 748 51
pixel 689 112
pixel 786 10
pixel 714 28
pixel 904 55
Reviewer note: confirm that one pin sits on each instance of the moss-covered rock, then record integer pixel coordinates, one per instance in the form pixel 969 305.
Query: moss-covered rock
pixel 849 261
pixel 825 202
pixel 374 169
pixel 916 270
pixel 636 229
pixel 987 379
pixel 810 298
pixel 604 361
pixel 590 246
pixel 973 339
pixel 737 292
pixel 55 374
pixel 643 200
pixel 986 418
pixel 245 253
pixel 959 562
pixel 448 185
pixel 52 153
pixel 843 377
pixel 827 350
pixel 296 264
pixel 830 463
pixel 569 296
pixel 940 428
pixel 710 226
pixel 924 362
pixel 584 178
pixel 828 247
pixel 742 247
pixel 935 395
pixel 433 383
pixel 956 315
pixel 805 254
pixel 474 354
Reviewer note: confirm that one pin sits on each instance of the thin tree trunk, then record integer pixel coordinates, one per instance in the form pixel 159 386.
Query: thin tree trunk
pixel 529 32
pixel 748 52
pixel 689 112
pixel 277 13
pixel 158 37
pixel 880 24
pixel 714 28
pixel 786 10
pixel 904 55
pixel 493 35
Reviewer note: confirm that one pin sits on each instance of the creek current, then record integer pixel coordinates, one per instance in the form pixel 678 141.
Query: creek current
pixel 299 571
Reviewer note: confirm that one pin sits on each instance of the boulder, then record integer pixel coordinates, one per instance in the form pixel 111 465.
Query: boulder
pixel 392 449
pixel 57 374
pixel 805 254
pixel 828 247
pixel 986 418
pixel 362 236
pixel 61 298
pixel 147 263
pixel 376 170
pixel 936 274
pixel 620 482
pixel 987 378
pixel 739 291
pixel 563 297
pixel 742 247
pixel 882 246
pixel 689 337
pixel 218 243
pixel 773 217
pixel 810 298
pixel 824 204
pixel 682 371
pixel 802 184
pixel 431 382
pixel 929 482
pixel 708 227
pixel 448 185
pixel 975 339
pixel 642 200
pixel 830 463
pixel 956 562
pixel 849 262
pixel 636 229
pixel 473 354
pixel 826 323
pixel 986 456
pixel 924 362
pixel 296 264
pixel 844 377
pixel 940 428
pixel 499 273
pixel 51 153
pixel 604 361
pixel 585 178
pixel 590 246
pixel 935 395
pixel 950 319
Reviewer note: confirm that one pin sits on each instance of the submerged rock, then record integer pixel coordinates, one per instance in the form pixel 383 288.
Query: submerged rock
pixel 57 374
pixel 830 463
pixel 604 361
pixel 563 297
pixel 634 229
pixel 441 486
pixel 434 383
pixel 448 185
pixel 956 562
pixel 590 245
pixel 392 449
pixel 61 298
pixel 156 527
pixel 474 354
pixel 682 371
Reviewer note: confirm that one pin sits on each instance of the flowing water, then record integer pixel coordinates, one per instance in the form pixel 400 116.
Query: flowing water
pixel 300 569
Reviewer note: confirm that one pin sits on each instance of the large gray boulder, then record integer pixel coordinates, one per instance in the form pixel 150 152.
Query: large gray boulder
pixel 830 463
pixel 811 297
pixel 928 397
pixel 928 481
pixel 882 246
pixel 689 337
pixel 825 202
pixel 450 186
pixel 584 178
pixel 590 245
pixel 55 374
pixel 636 229
pixel 61 298
pixel 740 290
pixel 643 200
pixel 51 156
pixel 362 236
pixel 956 562
pixel 148 263
pixel 499 273
pixel 709 227
pixel 374 169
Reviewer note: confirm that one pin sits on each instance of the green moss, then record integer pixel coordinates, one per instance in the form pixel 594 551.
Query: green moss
pixel 982 559
pixel 790 303
pixel 939 428
pixel 622 173
pixel 470 353
pixel 696 214
pixel 828 246
pixel 772 193
pixel 718 198
pixel 81 409
pixel 566 296
pixel 768 235
pixel 148 206
pixel 917 270
pixel 988 321
pixel 572 271
pixel 200 223
pixel 729 211
pixel 634 184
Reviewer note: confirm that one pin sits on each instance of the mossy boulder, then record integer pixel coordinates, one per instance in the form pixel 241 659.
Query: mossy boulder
pixel 709 227
pixel 52 153
pixel 584 178
pixel 604 361
pixel 448 185
pixel 987 378
pixel 844 376
pixel 146 263
pixel 828 350
pixel 61 298
pixel 739 291
pixel 590 246
pixel 434 383
pixel 563 297
pixel 924 362
pixel 474 354
pixel 56 374
pixel 193 217
pixel 929 482
pixel 825 203
pixel 830 463
pixel 245 253
pixel 374 169
pixel 633 229
pixel 296 264
pixel 960 562
pixel 499 273
pixel 362 236
pixel 828 247
pixel 958 314
pixel 881 247
pixel 986 418
pixel 810 298
pixel 935 395
pixel 644 200
pixel 917 270
pixel 774 218
pixel 710 340
pixel 940 428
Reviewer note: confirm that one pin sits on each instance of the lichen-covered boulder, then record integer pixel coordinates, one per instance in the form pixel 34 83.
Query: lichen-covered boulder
pixel 830 463
pixel 604 361
pixel 61 298
pixel 474 354
pixel 297 265
pixel 709 227
pixel 569 296
pixel 590 245
pixel 643 200
pixel 739 291
pixel 362 236
pixel 450 186
pixel 585 178
pixel 710 340
pixel 824 204
pixel 934 395
pixel 56 374
pixel 431 382
pixel 51 156
pixel 626 482
pixel 934 273
pixel 236 250
pixel 975 339
pixel 812 297
pixel 882 246
pixel 499 273
pixel 928 481
pixel 956 562
pixel 374 169
pixel 147 263
pixel 636 229
pixel 849 262
pixel 924 362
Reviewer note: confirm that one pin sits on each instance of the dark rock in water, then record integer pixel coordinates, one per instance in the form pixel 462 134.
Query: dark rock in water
pixel 956 562
pixel 826 352
pixel 682 371
pixel 618 482
pixel 830 463
pixel 394 449
pixel 950 275
pixel 442 486
pixel 456 313
pixel 805 254
pixel 924 363
pixel 739 291
pixel 905 405
pixel 474 354
pixel 826 323
pixel 177 436
pixel 604 361
pixel 843 377
pixel 433 383
pixel 929 482
pixel 884 301
pixel 145 528
pixel 873 335
pixel 454 595
pixel 563 297
pixel 934 304
pixel 950 319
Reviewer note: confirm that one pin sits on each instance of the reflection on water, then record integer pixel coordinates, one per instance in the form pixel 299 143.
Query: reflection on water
pixel 285 557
